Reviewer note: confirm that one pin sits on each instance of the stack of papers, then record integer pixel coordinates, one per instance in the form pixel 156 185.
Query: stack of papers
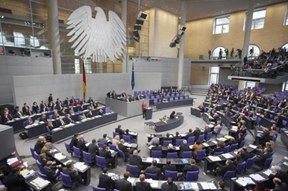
pixel 190 186
pixel 68 161
pixel 244 181
pixel 59 156
pixel 12 160
pixel 221 139
pixel 57 129
pixel 267 172
pixel 205 144
pixel 227 155
pixel 185 161
pixel 252 146
pixel 27 173
pixel 257 177
pixel 205 185
pixel 214 158
pixel 39 183
pixel 80 166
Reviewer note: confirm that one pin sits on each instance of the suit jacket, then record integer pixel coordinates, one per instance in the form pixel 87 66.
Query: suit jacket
pixel 81 145
pixel 226 168
pixel 135 160
pixel 15 182
pixel 184 148
pixel 71 172
pixel 106 182
pixel 102 140
pixel 73 142
pixel 124 185
pixel 153 169
pixel 93 149
pixel 105 153
pixel 142 186
pixel 51 174
pixel 166 187
pixel 189 167
pixel 170 167
pixel 38 147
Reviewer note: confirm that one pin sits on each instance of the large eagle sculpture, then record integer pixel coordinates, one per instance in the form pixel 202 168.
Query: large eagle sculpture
pixel 97 38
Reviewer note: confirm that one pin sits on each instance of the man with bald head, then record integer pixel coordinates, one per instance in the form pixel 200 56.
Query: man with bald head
pixel 142 185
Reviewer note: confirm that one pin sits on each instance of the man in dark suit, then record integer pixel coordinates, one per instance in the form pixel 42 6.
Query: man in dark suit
pixel 15 182
pixel 17 112
pixel 221 170
pixel 184 147
pixel 123 184
pixel 51 173
pixel 169 185
pixel 260 160
pixel 93 149
pixel 196 133
pixel 120 131
pixel 190 167
pixel 81 144
pixel 142 185
pixel 72 172
pixel 104 152
pixel 169 166
pixel 153 169
pixel 106 181
pixel 74 141
pixel 135 159
pixel 103 140
pixel 39 144
pixel 245 155
pixel 68 119
pixel 123 148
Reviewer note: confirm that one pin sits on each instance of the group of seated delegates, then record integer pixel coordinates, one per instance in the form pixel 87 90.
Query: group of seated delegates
pixel 123 96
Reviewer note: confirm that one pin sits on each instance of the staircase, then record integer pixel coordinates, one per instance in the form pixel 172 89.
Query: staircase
pixel 198 90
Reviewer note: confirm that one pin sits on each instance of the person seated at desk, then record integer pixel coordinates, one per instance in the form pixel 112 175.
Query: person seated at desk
pixel 44 159
pixel 25 109
pixel 123 184
pixel 277 180
pixel 68 119
pixel 153 169
pixel 260 159
pixel 196 133
pixel 170 148
pixel 46 148
pixel 93 149
pixel 73 141
pixel 81 117
pixel 217 127
pixel 89 114
pixel 221 170
pixel 71 110
pixel 265 137
pixel 196 147
pixel 184 147
pixel 207 130
pixel 28 121
pixel 6 117
pixel 142 185
pixel 166 138
pixel 189 133
pixel 116 140
pixel 17 112
pixel 62 112
pixel 190 167
pixel 106 181
pixel 43 107
pixel 14 181
pixel 176 136
pixel 169 166
pixel 81 144
pixel 164 119
pixel 245 155
pixel 154 141
pixel 169 185
pixel 104 152
pixel 39 144
pixel 103 140
pixel 172 115
pixel 120 131
pixel 73 173
pixel 135 159
pixel 123 148
pixel 50 172
pixel 35 107
pixel 43 118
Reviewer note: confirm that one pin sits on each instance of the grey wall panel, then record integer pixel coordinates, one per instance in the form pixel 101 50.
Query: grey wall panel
pixel 223 77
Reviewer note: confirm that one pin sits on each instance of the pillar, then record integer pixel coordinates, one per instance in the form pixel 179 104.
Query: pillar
pixel 248 24
pixel 124 20
pixel 54 35
pixel 182 46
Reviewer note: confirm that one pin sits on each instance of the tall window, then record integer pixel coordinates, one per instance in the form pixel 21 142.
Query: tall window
pixel 221 25
pixel 214 75
pixel 253 50
pixel 285 86
pixel 258 19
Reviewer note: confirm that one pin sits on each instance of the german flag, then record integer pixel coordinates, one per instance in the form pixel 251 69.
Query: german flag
pixel 84 82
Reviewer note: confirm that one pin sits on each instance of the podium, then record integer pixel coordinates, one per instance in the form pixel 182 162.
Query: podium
pixel 148 113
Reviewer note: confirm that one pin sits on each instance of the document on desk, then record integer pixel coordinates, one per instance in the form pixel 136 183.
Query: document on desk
pixel 39 183
pixel 187 186
pixel 205 185
pixel 68 161
pixel 59 156
pixel 252 146
pixel 185 161
pixel 267 172
pixel 244 181
pixel 80 166
pixel 227 155
pixel 257 177
pixel 215 142
pixel 127 144
pixel 212 186
pixel 205 144
pixel 221 139
pixel 214 158
pixel 149 159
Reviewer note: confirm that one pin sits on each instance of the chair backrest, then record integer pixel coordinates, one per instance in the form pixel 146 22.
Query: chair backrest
pixel 191 140
pixel 68 149
pixel 156 153
pixel 218 153
pixel 112 147
pixel 241 167
pixel 226 149
pixel 42 175
pixel 208 136
pixel 154 176
pixel 127 138
pixel 201 138
pixel 66 180
pixel 250 162
pixel 167 142
pixel 87 157
pixel 33 153
pixel 121 153
pixel 274 138
pixel 77 152
pixel 178 142
pixel 267 163
pixel 201 154
pixel 192 175
pixel 133 169
pixel 40 167
pixel 284 122
pixel 241 144
pixel 37 157
pixel 233 147
pixel 95 188
pixel 187 154
pixel 100 161
pixel 172 155
pixel 114 134
pixel 48 130
pixel 172 174
pixel 229 174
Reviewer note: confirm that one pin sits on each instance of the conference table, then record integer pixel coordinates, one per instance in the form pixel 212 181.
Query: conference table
pixel 169 124
pixel 88 123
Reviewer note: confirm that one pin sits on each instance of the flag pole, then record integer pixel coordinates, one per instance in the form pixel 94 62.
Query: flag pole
pixel 84 84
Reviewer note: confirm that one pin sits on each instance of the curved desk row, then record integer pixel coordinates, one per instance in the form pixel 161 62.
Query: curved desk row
pixel 174 103
pixel 82 126
pixel 170 124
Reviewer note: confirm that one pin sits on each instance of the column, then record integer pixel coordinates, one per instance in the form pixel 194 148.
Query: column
pixel 124 20
pixel 182 46
pixel 54 35
pixel 248 24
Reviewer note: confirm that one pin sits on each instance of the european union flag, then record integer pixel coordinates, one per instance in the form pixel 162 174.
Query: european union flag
pixel 133 78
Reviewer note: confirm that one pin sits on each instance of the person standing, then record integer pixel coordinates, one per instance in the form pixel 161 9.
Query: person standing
pixel 144 109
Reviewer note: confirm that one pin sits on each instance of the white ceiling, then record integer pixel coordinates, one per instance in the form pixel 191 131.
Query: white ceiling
pixel 197 9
